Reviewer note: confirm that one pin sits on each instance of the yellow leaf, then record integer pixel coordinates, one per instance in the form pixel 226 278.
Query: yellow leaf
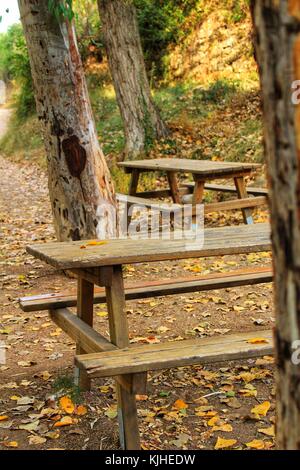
pixel 65 421
pixel 214 421
pixel 10 444
pixel 101 314
pixel 67 405
pixel 268 431
pixel 256 444
pixel 224 443
pixel 81 410
pixel 261 409
pixel 3 418
pixel 96 243
pixel 257 340
pixel 180 405
pixel 248 393
pixel 223 428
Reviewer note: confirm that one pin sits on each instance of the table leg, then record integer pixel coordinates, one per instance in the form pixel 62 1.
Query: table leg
pixel 242 193
pixel 134 181
pixel 118 326
pixel 85 295
pixel 198 191
pixel 174 187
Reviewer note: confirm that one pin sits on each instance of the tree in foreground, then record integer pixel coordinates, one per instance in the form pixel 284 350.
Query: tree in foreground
pixel 79 181
pixel 277 30
pixel 141 118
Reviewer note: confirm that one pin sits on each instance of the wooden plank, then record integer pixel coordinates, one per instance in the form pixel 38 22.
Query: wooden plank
pixel 229 189
pixel 174 187
pixel 242 194
pixel 161 193
pixel 177 354
pixel 91 341
pixel 118 327
pixel 85 307
pixel 217 241
pixel 134 181
pixel 207 168
pixel 149 204
pixel 155 288
pixel 230 205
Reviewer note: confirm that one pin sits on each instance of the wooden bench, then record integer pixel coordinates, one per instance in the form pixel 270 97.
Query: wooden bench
pixel 53 301
pixel 228 189
pixel 144 358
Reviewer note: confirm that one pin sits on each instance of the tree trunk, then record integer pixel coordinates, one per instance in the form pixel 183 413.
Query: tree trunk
pixel 277 28
pixel 141 119
pixel 79 181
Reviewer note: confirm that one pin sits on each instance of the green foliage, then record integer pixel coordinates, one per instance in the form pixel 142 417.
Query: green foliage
pixel 61 9
pixel 64 386
pixel 14 65
pixel 160 23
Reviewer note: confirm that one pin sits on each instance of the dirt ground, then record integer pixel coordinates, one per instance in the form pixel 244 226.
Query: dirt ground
pixel 186 408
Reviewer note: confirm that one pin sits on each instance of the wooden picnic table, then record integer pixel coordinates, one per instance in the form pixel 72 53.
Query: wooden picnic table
pixel 101 265
pixel 201 170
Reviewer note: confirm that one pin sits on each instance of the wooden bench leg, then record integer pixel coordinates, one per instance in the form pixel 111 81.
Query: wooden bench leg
pixel 242 193
pixel 85 302
pixel 127 410
pixel 134 181
pixel 174 187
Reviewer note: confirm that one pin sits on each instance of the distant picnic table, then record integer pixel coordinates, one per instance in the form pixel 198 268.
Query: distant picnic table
pixel 202 171
pixel 100 264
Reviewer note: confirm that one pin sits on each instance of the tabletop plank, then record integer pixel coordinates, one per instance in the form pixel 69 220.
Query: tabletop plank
pixel 217 241
pixel 198 167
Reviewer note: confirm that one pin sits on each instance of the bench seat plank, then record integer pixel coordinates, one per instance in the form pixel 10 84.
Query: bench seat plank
pixel 155 288
pixel 176 354
pixel 229 188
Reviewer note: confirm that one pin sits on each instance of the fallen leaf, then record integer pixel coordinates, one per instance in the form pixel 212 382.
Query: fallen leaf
pixel 180 405
pixel 261 409
pixel 268 431
pixel 3 418
pixel 224 443
pixel 80 410
pixel 96 243
pixel 223 428
pixel 67 405
pixel 36 440
pixel 10 444
pixel 256 444
pixel 65 421
pixel 111 412
pixel 257 340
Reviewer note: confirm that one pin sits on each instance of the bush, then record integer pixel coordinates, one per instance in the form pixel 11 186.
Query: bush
pixel 15 66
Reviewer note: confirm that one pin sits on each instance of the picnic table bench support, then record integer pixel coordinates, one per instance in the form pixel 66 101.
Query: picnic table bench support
pixel 119 335
pixel 134 181
pixel 242 193
pixel 85 308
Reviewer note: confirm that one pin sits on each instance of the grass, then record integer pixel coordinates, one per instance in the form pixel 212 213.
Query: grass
pixel 219 120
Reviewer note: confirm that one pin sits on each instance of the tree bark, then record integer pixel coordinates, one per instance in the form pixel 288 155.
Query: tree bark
pixel 277 31
pixel 79 181
pixel 141 118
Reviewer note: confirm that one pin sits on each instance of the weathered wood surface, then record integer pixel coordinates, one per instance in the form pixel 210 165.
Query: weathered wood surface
pixel 119 335
pixel 176 354
pixel 155 288
pixel 217 241
pixel 222 188
pixel 91 341
pixel 206 168
pixel 229 205
pixel 160 206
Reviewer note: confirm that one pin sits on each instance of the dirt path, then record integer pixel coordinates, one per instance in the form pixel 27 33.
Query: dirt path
pixel 39 356
pixel 4 118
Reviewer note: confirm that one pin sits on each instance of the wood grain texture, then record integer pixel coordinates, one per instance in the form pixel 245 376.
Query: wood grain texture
pixel 91 341
pixel 226 189
pixel 176 354
pixel 155 288
pixel 205 168
pixel 217 241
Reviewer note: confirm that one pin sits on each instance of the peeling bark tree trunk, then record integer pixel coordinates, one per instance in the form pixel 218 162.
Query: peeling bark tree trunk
pixel 277 27
pixel 79 181
pixel 141 119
